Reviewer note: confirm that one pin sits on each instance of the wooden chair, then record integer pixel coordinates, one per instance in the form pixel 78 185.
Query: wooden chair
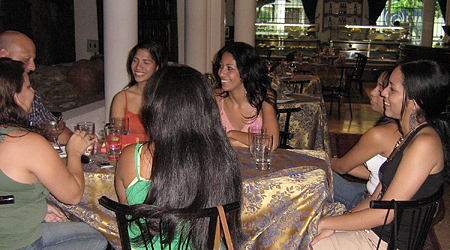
pixel 122 212
pixel 7 199
pixel 357 72
pixel 417 215
pixel 285 135
pixel 338 91
pixel 297 86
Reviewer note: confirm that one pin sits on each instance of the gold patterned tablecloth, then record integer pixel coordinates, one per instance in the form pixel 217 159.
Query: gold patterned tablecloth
pixel 310 125
pixel 280 206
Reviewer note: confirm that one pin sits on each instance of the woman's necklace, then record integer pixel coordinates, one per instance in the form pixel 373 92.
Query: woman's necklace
pixel 403 137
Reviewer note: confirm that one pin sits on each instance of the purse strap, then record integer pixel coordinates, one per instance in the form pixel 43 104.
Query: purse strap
pixel 222 219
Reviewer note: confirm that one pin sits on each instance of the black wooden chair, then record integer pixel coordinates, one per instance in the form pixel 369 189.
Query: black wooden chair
pixel 417 215
pixel 7 199
pixel 297 86
pixel 285 135
pixel 339 91
pixel 122 211
pixel 357 72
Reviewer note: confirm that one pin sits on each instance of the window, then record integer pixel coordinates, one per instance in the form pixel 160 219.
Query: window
pixel 409 14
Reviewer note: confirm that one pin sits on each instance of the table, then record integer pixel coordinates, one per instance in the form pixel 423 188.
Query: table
pixel 280 207
pixel 310 125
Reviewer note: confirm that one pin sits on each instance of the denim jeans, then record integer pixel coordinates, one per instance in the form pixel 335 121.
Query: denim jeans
pixel 348 193
pixel 68 235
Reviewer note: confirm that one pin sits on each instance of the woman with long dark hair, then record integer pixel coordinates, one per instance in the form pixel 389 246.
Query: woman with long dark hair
pixel 143 61
pixel 188 162
pixel 244 94
pixel 366 157
pixel 30 169
pixel 416 95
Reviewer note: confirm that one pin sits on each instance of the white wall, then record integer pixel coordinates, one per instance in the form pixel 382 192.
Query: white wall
pixel 85 13
pixel 94 112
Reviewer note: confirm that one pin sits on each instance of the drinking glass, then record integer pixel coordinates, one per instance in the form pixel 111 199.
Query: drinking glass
pixel 89 128
pixel 54 129
pixel 252 130
pixel 263 144
pixel 113 142
pixel 121 123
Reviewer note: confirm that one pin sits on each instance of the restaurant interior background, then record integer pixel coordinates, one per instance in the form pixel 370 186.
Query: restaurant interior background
pixel 61 29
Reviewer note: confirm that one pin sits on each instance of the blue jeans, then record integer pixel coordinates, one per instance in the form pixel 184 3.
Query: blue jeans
pixel 348 193
pixel 68 235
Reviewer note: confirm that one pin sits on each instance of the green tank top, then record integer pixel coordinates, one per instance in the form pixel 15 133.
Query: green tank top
pixel 136 193
pixel 20 222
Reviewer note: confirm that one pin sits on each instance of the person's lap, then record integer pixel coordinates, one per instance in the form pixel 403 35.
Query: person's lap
pixel 348 193
pixel 68 235
pixel 351 240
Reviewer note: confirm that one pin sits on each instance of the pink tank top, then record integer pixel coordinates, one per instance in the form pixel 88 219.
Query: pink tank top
pixel 135 120
pixel 227 124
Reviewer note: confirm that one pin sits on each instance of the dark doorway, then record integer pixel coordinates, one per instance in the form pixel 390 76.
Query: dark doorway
pixel 49 23
pixel 157 21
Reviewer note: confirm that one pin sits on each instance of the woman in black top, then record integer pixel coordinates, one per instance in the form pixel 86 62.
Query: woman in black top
pixel 416 95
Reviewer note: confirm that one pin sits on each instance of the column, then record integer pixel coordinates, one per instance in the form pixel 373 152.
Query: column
pixel 195 42
pixel 204 32
pixel 120 35
pixel 244 22
pixel 428 22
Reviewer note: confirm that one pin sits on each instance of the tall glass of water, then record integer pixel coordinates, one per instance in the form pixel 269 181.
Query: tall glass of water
pixel 89 128
pixel 252 130
pixel 113 140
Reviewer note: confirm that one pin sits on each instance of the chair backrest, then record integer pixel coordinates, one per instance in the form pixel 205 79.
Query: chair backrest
pixel 7 199
pixel 284 134
pixel 122 212
pixel 415 216
pixel 360 64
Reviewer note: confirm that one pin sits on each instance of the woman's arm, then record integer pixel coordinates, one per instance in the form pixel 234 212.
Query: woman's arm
pixel 65 182
pixel 125 172
pixel 360 172
pixel 375 141
pixel 270 121
pixel 118 105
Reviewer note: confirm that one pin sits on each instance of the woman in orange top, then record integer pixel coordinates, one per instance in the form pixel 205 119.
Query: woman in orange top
pixel 143 61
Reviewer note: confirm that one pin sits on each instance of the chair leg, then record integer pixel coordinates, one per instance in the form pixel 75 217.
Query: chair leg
pixel 350 104
pixel 361 90
pixel 339 107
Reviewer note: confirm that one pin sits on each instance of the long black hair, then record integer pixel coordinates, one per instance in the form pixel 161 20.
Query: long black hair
pixel 253 73
pixel 194 165
pixel 11 82
pixel 156 50
pixel 428 84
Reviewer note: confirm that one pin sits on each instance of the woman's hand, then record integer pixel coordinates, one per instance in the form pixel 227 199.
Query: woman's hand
pixel 322 235
pixel 79 142
pixel 54 215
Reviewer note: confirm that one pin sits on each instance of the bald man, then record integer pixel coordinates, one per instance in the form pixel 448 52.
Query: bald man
pixel 20 47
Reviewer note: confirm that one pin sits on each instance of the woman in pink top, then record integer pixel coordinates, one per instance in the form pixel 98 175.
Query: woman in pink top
pixel 143 61
pixel 244 94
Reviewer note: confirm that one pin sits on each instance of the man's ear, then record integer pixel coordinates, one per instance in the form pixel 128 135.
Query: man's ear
pixel 4 53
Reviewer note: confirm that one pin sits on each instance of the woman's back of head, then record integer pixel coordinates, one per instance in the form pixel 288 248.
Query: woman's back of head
pixel 11 82
pixel 194 165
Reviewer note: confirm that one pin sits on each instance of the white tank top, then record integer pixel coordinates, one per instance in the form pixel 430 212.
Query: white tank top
pixel 374 165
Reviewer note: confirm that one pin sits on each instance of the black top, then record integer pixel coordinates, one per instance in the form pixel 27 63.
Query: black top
pixel 387 173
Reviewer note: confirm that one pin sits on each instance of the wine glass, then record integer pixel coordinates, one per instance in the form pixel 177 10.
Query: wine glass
pixel 292 67
pixel 54 129
pixel 269 64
